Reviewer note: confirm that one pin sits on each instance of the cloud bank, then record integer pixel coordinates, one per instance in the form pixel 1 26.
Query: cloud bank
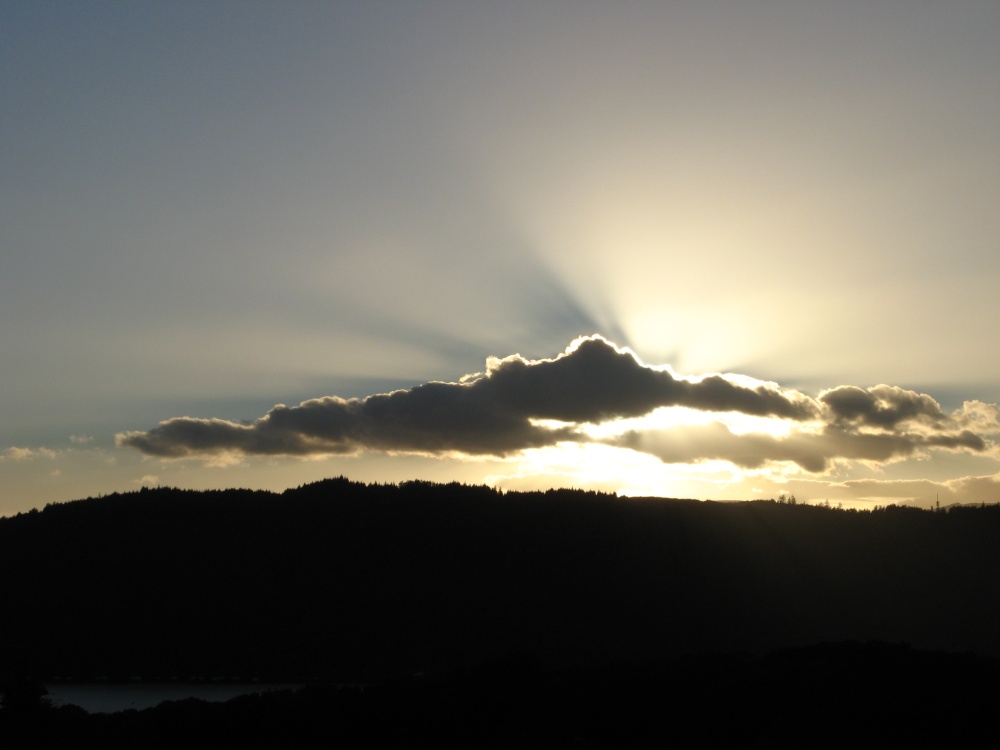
pixel 518 404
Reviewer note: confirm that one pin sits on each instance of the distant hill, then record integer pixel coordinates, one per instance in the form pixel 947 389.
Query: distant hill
pixel 352 582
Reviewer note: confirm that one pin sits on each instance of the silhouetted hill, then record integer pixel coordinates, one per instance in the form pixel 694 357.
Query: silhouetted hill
pixel 857 695
pixel 339 580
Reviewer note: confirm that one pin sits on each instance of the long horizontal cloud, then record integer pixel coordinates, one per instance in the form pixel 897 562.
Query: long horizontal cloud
pixel 965 490
pixel 503 411
pixel 813 452
pixel 489 413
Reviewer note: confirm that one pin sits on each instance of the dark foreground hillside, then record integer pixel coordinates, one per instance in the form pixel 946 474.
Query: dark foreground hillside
pixel 338 581
pixel 871 695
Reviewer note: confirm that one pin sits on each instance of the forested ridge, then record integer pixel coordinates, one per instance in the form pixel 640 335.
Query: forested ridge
pixel 343 581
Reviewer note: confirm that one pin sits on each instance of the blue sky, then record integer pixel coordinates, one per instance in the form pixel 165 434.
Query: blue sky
pixel 212 208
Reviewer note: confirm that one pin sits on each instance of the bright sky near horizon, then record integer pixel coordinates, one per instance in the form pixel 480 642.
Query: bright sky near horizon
pixel 210 208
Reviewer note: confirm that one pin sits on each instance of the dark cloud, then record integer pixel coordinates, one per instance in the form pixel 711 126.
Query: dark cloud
pixel 884 406
pixel 596 381
pixel 430 418
pixel 501 412
pixel 488 414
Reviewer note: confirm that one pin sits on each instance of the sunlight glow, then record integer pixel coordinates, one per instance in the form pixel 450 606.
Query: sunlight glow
pixel 613 469
pixel 672 417
pixel 594 465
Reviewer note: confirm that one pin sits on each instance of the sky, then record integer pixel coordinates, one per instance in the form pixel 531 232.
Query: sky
pixel 721 250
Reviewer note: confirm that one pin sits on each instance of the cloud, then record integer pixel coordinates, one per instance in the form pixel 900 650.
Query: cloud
pixel 594 380
pixel 518 404
pixel 883 406
pixel 15 453
pixel 811 451
pixel 924 492
pixel 979 417
pixel 487 413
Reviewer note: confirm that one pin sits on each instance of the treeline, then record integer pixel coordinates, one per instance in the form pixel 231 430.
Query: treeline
pixel 343 581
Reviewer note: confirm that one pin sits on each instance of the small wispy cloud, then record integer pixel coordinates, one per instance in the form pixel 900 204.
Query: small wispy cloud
pixel 15 453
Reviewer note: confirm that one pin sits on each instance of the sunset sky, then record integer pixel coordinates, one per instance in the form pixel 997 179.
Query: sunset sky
pixel 720 250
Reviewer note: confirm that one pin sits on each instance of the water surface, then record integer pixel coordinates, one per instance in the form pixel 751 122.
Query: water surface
pixel 108 697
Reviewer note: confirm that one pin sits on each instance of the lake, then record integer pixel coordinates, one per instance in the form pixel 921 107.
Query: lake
pixel 108 697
